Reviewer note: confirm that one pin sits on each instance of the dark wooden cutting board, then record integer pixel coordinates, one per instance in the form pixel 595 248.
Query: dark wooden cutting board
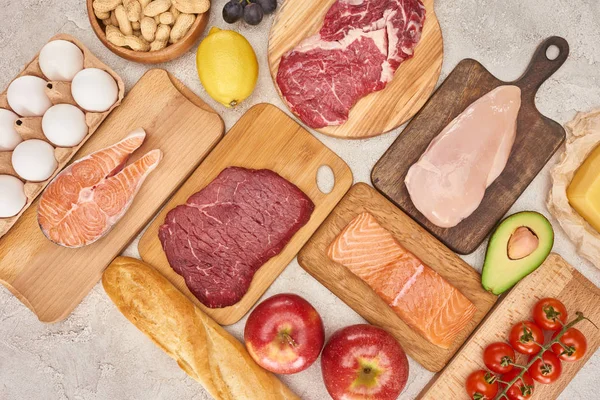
pixel 538 137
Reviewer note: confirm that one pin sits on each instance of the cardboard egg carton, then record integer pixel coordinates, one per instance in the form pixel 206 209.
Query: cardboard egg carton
pixel 31 127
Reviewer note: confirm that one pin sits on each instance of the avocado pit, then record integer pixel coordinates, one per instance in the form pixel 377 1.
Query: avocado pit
pixel 522 243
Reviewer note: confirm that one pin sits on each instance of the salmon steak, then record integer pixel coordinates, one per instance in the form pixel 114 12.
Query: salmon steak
pixel 423 299
pixel 90 196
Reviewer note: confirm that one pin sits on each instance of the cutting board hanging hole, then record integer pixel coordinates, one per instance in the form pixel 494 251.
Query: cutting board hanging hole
pixel 325 179
pixel 550 55
pixel 552 52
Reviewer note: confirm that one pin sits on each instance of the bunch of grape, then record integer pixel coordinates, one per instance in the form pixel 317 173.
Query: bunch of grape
pixel 252 11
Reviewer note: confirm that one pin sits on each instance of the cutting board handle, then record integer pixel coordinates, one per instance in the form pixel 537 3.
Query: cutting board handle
pixel 541 67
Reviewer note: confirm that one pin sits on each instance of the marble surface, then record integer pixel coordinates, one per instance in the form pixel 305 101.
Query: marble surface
pixel 97 354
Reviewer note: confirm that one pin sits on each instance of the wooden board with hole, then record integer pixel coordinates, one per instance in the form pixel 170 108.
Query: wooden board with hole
pixel 362 299
pixel 555 278
pixel 51 280
pixel 378 112
pixel 537 139
pixel 264 137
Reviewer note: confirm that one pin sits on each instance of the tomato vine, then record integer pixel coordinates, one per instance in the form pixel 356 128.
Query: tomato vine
pixel 543 348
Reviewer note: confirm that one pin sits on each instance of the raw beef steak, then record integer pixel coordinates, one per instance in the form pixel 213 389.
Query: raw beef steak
pixel 357 51
pixel 229 229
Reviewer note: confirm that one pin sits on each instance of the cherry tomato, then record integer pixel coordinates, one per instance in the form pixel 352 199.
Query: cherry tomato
pixel 526 337
pixel 522 389
pixel 546 369
pixel 498 357
pixel 550 314
pixel 481 385
pixel 575 345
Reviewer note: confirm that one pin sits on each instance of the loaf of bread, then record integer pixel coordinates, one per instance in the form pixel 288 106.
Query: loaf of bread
pixel 201 347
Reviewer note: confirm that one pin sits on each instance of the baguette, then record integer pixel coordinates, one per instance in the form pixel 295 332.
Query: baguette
pixel 201 347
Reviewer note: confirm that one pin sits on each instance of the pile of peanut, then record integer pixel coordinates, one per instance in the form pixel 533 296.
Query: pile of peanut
pixel 147 25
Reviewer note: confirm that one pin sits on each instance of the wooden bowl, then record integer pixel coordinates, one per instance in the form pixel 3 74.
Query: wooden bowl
pixel 171 52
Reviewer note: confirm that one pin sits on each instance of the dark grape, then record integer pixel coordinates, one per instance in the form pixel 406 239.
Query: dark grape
pixel 232 12
pixel 268 6
pixel 253 14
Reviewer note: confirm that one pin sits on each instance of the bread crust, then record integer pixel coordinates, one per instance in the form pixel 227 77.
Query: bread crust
pixel 201 347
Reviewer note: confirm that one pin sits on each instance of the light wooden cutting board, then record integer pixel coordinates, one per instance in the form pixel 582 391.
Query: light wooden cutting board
pixel 362 299
pixel 538 138
pixel 51 280
pixel 264 137
pixel 555 278
pixel 378 112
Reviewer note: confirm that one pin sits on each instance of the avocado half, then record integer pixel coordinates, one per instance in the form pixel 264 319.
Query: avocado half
pixel 528 237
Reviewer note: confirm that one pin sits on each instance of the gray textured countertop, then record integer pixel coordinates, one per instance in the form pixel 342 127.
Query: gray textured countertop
pixel 97 354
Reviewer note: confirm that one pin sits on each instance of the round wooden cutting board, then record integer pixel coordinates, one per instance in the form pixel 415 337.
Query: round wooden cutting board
pixel 379 112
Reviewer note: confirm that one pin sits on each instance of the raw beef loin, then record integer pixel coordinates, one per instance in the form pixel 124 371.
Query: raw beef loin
pixel 357 51
pixel 228 230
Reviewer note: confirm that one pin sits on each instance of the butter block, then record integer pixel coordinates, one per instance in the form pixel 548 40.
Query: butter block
pixel 584 191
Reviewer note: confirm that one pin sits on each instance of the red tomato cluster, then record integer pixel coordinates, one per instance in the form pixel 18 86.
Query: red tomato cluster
pixel 527 337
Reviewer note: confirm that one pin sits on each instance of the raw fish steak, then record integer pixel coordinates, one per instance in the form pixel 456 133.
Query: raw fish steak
pixel 224 233
pixel 90 196
pixel 357 51
pixel 418 295
pixel 448 182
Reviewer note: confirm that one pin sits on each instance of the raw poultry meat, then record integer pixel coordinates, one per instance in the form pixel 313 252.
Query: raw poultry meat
pixel 449 181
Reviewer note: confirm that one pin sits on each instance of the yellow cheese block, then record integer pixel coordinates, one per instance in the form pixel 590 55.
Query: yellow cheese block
pixel 584 191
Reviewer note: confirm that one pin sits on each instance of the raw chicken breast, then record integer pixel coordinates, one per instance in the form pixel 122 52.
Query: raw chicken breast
pixel 91 195
pixel 448 182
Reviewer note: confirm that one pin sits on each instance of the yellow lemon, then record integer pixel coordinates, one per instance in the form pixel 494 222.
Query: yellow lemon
pixel 227 66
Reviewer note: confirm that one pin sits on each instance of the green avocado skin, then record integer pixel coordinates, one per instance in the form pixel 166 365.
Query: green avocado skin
pixel 500 273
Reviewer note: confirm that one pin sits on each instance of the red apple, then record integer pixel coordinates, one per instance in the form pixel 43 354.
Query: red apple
pixel 364 362
pixel 284 334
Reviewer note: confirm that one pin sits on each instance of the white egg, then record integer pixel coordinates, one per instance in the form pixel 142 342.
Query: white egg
pixel 94 90
pixel 34 160
pixel 26 96
pixel 12 196
pixel 60 60
pixel 64 125
pixel 9 138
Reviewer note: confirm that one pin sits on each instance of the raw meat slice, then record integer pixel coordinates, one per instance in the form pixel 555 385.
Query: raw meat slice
pixel 448 182
pixel 420 296
pixel 90 196
pixel 228 230
pixel 357 51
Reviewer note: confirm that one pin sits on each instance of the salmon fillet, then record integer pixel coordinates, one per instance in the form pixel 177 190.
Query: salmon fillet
pixel 85 200
pixel 420 296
